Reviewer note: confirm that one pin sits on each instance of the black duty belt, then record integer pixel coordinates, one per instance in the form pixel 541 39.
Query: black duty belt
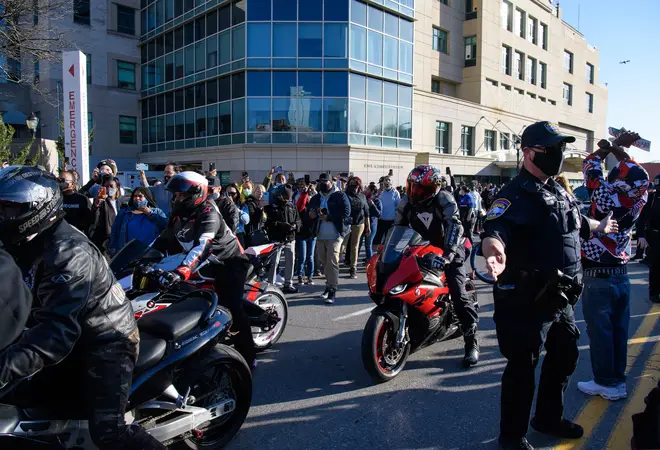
pixel 605 272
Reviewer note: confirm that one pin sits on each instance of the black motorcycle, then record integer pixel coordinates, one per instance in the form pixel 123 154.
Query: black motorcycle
pixel 188 390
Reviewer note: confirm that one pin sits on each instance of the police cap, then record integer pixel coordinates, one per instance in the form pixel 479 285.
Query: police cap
pixel 543 134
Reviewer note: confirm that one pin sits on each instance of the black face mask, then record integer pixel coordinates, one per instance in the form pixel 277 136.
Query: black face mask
pixel 324 188
pixel 550 162
pixel 351 189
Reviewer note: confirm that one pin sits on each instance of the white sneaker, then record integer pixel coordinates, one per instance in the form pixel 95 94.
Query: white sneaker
pixel 325 294
pixel 607 392
pixel 623 390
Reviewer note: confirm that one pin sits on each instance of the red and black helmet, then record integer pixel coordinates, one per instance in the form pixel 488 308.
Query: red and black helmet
pixel 196 188
pixel 423 183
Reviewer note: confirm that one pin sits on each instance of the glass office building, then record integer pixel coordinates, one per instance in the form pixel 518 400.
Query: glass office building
pixel 280 72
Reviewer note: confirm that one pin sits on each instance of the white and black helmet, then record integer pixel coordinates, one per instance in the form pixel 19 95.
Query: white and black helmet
pixel 30 202
pixel 196 187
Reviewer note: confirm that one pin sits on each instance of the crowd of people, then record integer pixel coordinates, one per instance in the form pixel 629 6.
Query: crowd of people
pixel 324 223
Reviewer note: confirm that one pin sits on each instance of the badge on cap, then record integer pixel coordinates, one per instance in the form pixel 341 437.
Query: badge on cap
pixel 498 208
pixel 552 128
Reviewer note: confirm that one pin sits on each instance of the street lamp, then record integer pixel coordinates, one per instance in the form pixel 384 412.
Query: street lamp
pixel 516 142
pixel 32 122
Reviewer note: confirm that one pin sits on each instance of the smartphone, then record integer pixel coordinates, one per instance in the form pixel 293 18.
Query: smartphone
pixel 307 178
pixel 142 166
pixel 279 169
pixel 102 192
pixel 211 166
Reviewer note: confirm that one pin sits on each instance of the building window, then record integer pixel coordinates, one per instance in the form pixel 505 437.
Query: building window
pixel 440 40
pixel 544 75
pixel 442 137
pixel 506 13
pixel 490 140
pixel 520 23
pixel 530 70
pixel 470 51
pixel 590 73
pixel 568 94
pixel 506 60
pixel 590 102
pixel 519 65
pixel 532 29
pixel 125 20
pixel 568 61
pixel 127 130
pixel 435 86
pixel 88 58
pixel 544 36
pixel 505 141
pixel 445 2
pixel 126 75
pixel 81 13
pixel 467 140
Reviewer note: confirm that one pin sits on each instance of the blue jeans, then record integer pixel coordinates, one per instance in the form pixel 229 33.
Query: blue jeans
pixel 606 309
pixel 305 251
pixel 369 240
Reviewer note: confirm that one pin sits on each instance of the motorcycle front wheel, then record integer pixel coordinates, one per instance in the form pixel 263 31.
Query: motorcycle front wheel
pixel 381 360
pixel 225 375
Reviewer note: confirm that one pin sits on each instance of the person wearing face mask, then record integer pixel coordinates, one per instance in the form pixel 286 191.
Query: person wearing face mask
pixel 280 181
pixel 77 207
pixel 359 223
pixel 104 211
pixel 375 209
pixel 330 209
pixel 467 209
pixel 389 199
pixel 254 230
pixel 243 217
pixel 531 231
pixel 162 196
pixel 229 207
pixel 93 186
pixel 648 230
pixel 141 220
pixel 282 223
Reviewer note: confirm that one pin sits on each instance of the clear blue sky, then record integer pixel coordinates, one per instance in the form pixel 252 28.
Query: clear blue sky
pixel 624 30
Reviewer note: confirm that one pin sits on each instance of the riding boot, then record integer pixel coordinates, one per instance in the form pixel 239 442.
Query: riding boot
pixel 471 350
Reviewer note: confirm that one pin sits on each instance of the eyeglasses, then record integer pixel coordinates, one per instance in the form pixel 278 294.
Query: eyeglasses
pixel 561 147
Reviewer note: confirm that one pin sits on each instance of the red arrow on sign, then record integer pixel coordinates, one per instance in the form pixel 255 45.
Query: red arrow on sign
pixel 71 71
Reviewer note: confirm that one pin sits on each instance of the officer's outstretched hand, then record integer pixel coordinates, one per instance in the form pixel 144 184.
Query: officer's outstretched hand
pixel 493 251
pixel 607 225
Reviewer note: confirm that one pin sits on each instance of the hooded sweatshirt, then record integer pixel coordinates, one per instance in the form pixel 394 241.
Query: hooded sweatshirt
pixel 624 192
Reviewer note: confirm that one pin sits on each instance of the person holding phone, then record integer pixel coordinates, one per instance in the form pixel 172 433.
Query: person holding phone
pixel 330 209
pixel 95 183
pixel 104 212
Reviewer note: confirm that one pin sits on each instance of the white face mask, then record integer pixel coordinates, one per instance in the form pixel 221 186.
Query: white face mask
pixel 112 192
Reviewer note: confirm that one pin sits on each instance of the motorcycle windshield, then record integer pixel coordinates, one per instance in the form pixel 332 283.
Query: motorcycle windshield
pixel 130 253
pixel 398 239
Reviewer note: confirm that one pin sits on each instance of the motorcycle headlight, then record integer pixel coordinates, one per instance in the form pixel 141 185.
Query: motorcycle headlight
pixel 398 289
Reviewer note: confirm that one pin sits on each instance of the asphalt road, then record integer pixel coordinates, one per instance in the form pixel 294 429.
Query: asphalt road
pixel 311 390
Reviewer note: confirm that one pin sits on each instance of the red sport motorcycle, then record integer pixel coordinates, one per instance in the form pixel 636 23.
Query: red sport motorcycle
pixel 413 309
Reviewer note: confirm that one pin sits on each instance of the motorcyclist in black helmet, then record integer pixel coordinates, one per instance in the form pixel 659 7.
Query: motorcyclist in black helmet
pixel 82 337
pixel 433 213
pixel 196 227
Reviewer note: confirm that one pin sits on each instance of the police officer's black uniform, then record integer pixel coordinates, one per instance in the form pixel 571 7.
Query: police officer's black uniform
pixel 539 225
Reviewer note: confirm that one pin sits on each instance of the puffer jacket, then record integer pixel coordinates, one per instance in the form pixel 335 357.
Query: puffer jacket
pixel 77 303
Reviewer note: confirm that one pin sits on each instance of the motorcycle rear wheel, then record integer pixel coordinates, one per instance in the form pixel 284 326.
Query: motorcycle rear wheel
pixel 381 360
pixel 223 367
pixel 278 306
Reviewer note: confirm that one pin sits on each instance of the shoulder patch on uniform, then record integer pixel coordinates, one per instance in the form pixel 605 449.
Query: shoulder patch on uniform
pixel 498 208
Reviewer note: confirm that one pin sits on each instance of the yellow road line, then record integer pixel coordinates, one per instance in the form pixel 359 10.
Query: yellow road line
pixel 623 431
pixel 595 408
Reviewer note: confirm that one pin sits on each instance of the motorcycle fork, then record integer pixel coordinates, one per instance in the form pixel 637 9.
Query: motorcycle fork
pixel 402 335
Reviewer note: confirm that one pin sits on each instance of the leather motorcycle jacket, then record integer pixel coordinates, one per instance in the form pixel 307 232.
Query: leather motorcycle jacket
pixel 437 220
pixel 77 302
pixel 199 236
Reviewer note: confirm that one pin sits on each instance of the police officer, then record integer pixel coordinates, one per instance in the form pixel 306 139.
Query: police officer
pixel 531 231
